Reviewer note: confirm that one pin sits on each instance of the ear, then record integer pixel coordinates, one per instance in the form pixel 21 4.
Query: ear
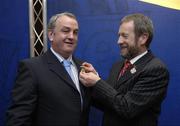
pixel 143 38
pixel 50 35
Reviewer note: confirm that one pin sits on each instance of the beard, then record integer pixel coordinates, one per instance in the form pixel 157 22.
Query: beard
pixel 131 51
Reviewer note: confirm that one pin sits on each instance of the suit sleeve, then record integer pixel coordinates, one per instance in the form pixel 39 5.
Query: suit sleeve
pixel 23 98
pixel 149 89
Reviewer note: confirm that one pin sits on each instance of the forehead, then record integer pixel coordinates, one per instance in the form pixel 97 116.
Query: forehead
pixel 67 22
pixel 127 27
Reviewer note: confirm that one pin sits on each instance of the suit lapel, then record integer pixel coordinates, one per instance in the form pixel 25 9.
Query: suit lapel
pixel 57 68
pixel 115 73
pixel 140 64
pixel 82 88
pixel 84 92
pixel 137 67
pixel 78 64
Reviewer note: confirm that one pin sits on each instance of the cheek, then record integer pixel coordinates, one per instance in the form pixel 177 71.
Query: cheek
pixel 76 38
pixel 59 38
pixel 131 42
pixel 57 42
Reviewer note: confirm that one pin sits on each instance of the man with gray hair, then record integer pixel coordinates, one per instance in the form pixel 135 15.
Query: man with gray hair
pixel 47 90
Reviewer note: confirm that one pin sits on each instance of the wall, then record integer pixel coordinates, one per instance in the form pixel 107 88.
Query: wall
pixel 14 45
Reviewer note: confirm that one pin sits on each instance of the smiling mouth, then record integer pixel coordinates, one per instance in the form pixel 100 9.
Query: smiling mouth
pixel 70 43
pixel 123 47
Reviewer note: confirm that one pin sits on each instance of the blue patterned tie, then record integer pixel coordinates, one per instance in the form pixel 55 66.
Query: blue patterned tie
pixel 67 65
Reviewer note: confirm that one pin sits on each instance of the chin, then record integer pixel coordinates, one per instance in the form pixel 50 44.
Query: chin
pixel 123 54
pixel 69 51
pixel 124 57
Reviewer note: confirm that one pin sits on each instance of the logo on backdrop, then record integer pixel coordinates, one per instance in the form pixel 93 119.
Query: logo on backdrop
pixel 173 4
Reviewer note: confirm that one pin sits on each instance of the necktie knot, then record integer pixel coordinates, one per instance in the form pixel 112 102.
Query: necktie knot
pixel 126 66
pixel 67 66
pixel 67 63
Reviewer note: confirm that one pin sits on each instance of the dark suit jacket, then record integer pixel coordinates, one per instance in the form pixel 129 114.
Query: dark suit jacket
pixel 135 99
pixel 44 95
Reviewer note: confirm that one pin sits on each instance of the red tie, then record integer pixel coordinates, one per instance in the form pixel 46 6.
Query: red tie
pixel 127 64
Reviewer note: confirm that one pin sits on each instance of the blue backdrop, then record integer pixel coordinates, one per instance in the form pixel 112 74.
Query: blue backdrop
pixel 14 45
pixel 99 24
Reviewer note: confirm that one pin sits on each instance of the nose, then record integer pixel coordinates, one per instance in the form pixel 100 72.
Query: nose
pixel 119 40
pixel 71 35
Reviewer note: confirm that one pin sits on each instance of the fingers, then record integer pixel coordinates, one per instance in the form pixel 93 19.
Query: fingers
pixel 88 79
pixel 83 78
pixel 86 64
pixel 87 67
pixel 88 75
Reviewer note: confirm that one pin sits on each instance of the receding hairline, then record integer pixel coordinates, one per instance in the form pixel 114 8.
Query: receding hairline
pixel 53 19
pixel 68 14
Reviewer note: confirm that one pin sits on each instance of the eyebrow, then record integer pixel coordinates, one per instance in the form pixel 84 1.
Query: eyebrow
pixel 122 33
pixel 66 27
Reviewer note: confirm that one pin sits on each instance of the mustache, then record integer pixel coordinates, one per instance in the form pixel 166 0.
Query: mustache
pixel 124 46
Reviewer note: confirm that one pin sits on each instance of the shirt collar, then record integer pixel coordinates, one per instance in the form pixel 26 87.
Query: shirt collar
pixel 60 58
pixel 138 57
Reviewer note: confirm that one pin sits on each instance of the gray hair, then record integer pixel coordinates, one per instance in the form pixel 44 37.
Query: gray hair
pixel 53 19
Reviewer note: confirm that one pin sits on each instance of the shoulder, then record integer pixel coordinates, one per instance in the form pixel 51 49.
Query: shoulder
pixel 31 63
pixel 150 61
pixel 33 60
pixel 156 62
pixel 156 67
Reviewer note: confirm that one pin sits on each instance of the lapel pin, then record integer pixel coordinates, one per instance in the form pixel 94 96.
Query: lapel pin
pixel 133 70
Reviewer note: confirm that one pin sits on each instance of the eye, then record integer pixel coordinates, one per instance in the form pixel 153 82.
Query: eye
pixel 65 30
pixel 125 36
pixel 76 32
